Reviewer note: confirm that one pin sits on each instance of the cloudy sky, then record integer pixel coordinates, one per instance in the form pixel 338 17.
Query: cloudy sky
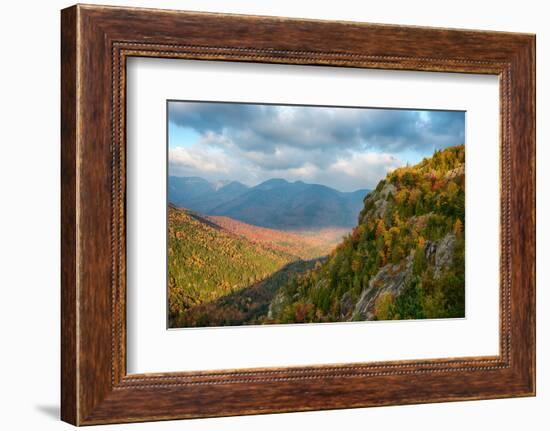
pixel 343 148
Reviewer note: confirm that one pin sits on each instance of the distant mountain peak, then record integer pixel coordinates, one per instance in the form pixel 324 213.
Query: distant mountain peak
pixel 275 203
pixel 273 182
pixel 233 188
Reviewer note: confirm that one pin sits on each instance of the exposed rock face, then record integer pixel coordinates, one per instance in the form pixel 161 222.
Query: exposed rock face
pixel 392 278
pixel 440 253
pixel 456 172
pixel 346 305
pixel 444 254
pixel 381 203
pixel 386 190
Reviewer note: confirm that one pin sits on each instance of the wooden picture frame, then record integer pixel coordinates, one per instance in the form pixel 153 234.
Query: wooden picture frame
pixel 95 43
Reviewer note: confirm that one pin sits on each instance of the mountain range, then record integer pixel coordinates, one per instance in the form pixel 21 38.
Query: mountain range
pixel 275 203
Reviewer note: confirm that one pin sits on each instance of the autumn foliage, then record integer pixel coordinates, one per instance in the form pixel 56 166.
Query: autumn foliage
pixel 411 229
pixel 412 207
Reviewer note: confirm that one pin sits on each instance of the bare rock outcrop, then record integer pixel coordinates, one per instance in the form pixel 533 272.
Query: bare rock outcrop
pixel 389 279
pixel 440 253
pixel 444 254
pixel 381 203
pixel 456 172
pixel 392 278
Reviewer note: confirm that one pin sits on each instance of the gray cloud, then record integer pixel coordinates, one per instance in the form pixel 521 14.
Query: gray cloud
pixel 307 143
pixel 266 127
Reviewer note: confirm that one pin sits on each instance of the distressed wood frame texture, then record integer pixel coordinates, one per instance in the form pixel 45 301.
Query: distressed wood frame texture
pixel 95 43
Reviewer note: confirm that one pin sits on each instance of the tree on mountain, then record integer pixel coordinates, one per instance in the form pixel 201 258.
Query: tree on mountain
pixel 424 203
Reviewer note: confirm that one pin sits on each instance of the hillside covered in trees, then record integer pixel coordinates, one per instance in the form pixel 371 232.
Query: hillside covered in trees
pixel 404 259
pixel 217 266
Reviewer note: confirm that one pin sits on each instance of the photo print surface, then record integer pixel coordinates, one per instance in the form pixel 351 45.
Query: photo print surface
pixel 292 214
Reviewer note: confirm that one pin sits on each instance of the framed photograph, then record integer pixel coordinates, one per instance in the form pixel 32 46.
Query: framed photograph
pixel 264 214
